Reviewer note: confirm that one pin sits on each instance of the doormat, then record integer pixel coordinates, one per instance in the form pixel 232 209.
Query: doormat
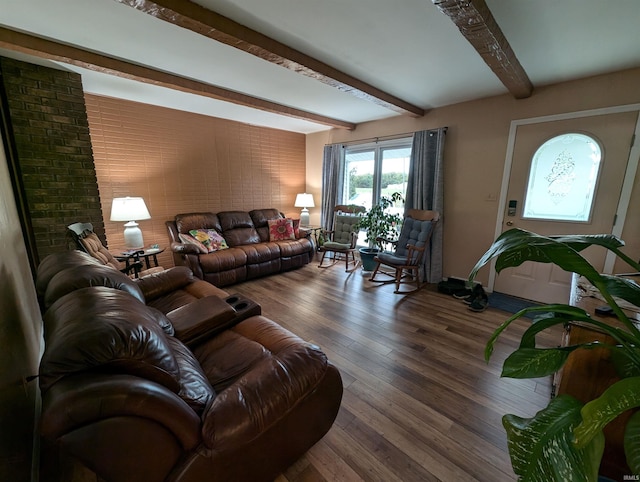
pixel 512 304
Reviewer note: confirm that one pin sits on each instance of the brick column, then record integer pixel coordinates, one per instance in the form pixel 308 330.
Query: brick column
pixel 51 133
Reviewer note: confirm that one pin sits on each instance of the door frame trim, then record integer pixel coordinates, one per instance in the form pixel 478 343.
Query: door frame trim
pixel 627 185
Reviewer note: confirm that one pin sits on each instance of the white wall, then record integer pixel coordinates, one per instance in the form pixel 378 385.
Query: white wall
pixel 20 343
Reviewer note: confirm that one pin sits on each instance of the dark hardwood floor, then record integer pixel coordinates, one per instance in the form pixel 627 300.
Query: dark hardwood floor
pixel 419 403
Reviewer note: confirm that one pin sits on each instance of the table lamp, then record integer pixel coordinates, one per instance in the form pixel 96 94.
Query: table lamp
pixel 304 201
pixel 130 209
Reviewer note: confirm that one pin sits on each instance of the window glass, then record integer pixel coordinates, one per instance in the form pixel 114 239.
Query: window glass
pixel 563 178
pixel 375 170
pixel 358 179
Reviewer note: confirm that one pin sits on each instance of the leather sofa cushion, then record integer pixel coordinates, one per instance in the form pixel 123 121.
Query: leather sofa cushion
pixel 296 247
pixel 260 369
pixel 102 329
pixel 189 221
pixel 261 253
pixel 54 263
pixel 227 357
pixel 82 276
pixel 223 260
pixel 195 389
pixel 238 228
pixel 261 218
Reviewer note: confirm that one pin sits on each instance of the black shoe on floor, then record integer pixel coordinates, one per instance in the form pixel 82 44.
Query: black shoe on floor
pixel 462 294
pixel 480 303
pixel 476 292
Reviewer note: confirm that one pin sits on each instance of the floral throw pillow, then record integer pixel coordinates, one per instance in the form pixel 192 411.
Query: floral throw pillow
pixel 211 240
pixel 280 229
pixel 188 239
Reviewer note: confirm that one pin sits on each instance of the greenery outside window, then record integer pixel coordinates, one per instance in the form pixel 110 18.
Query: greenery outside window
pixel 375 170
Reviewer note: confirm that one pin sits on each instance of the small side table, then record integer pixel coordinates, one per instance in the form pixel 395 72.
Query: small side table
pixel 315 231
pixel 133 256
pixel 151 254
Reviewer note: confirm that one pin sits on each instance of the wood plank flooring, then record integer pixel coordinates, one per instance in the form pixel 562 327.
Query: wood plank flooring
pixel 420 403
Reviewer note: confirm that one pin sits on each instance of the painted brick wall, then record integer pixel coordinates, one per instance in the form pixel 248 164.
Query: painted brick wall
pixel 181 162
pixel 49 121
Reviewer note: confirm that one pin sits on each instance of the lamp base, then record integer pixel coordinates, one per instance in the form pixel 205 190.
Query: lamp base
pixel 133 236
pixel 304 217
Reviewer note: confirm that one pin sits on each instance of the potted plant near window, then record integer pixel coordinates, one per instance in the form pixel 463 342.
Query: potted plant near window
pixel 564 441
pixel 378 223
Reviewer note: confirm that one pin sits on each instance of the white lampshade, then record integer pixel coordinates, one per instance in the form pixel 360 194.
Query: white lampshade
pixel 130 209
pixel 304 200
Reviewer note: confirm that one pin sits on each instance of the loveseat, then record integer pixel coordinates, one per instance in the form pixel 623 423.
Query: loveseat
pixel 170 378
pixel 234 246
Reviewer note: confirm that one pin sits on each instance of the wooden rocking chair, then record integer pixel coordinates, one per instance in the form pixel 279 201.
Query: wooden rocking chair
pixel 406 261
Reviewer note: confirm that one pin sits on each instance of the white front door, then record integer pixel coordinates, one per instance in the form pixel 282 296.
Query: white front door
pixel 545 282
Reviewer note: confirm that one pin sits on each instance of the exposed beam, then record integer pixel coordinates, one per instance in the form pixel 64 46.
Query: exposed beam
pixel 198 19
pixel 46 49
pixel 474 19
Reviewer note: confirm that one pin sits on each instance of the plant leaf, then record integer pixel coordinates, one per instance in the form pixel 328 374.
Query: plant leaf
pixel 582 241
pixel 541 323
pixel 541 447
pixel 623 363
pixel 619 397
pixel 623 288
pixel 570 312
pixel 535 362
pixel 632 443
pixel 515 246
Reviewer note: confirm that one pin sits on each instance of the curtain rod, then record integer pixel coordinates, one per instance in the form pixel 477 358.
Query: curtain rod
pixel 381 138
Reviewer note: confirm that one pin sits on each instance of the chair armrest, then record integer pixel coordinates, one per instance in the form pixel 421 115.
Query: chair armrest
pixel 202 319
pixel 383 241
pixel 412 257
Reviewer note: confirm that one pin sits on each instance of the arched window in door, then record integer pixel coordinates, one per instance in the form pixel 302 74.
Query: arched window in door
pixel 563 179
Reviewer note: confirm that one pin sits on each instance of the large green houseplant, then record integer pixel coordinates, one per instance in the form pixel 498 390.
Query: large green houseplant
pixel 564 441
pixel 379 223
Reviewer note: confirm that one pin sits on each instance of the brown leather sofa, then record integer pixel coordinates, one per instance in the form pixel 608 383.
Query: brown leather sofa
pixel 168 378
pixel 250 255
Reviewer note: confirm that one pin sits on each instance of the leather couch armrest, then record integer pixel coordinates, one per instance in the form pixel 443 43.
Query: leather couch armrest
pixel 183 248
pixel 202 319
pixel 82 400
pixel 160 283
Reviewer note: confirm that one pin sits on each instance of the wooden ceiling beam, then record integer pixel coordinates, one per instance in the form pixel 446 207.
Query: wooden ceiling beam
pixel 47 49
pixel 200 20
pixel 476 22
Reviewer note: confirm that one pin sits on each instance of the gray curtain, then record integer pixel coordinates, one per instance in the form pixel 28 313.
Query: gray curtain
pixel 331 183
pixel 425 190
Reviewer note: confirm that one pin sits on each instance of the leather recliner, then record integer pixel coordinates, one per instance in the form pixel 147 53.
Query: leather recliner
pixel 190 386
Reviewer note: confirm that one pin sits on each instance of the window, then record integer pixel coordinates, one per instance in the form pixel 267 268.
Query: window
pixel 563 178
pixel 373 171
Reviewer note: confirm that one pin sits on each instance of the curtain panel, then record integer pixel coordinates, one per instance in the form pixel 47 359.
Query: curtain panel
pixel 425 190
pixel 331 183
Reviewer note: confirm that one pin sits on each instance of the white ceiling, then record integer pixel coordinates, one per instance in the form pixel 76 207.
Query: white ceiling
pixel 406 48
